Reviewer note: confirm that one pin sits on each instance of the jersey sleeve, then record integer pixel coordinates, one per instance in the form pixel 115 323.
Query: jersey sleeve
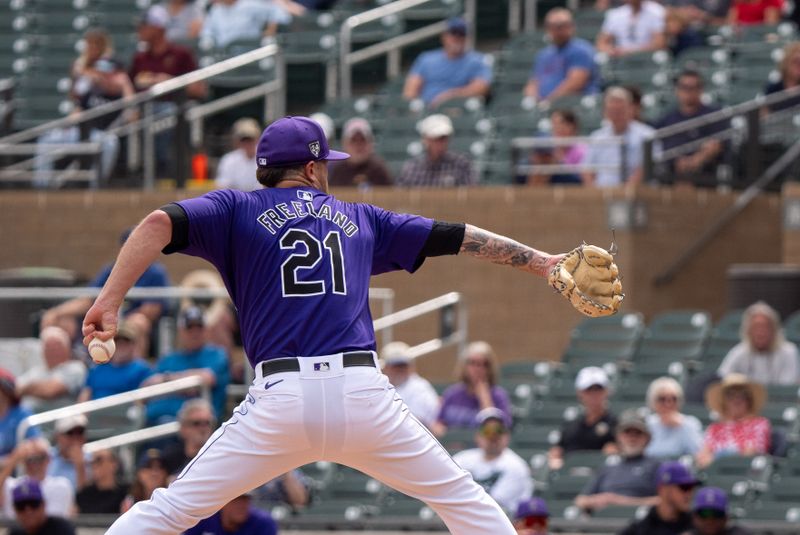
pixel 209 220
pixel 398 241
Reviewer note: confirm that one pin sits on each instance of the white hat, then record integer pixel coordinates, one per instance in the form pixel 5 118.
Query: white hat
pixel 396 353
pixel 435 126
pixel 590 376
pixel 71 422
pixel 246 127
pixel 325 121
pixel 157 16
pixel 355 126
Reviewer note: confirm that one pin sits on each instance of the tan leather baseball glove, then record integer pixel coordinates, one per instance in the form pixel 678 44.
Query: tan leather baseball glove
pixel 588 277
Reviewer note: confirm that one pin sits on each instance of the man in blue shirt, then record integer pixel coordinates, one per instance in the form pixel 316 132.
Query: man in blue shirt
pixel 566 67
pixel 238 517
pixel 450 72
pixel 125 373
pixel 11 414
pixel 197 357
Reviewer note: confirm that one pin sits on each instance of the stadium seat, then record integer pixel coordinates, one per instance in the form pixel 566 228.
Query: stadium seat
pixel 791 327
pixel 565 487
pixel 457 439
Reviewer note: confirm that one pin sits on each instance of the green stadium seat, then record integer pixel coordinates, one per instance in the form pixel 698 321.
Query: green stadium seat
pixel 523 371
pixel 791 328
pixel 457 439
pixel 778 512
pixel 565 487
pixel 582 463
pixel 532 438
pixel 553 412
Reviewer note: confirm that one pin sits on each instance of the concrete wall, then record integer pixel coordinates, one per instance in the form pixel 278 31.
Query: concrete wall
pixel 518 314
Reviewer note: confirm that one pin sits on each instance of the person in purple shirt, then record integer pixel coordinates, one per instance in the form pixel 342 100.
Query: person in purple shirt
pixel 297 264
pixel 237 517
pixel 461 402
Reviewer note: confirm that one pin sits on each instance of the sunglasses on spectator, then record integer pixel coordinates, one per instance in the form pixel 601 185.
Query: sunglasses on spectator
pixel 36 459
pixel 710 513
pixel 667 399
pixel 101 458
pixel 27 504
pixel 492 429
pixel 633 431
pixel 478 362
pixel 199 423
pixel 690 87
pixel 687 487
pixel 76 431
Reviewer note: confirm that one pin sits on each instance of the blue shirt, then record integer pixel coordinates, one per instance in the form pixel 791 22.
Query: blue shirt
pixel 108 379
pixel 155 276
pixel 60 466
pixel 208 356
pixel 258 523
pixel 672 442
pixel 553 64
pixel 244 19
pixel 297 263
pixel 441 73
pixel 8 428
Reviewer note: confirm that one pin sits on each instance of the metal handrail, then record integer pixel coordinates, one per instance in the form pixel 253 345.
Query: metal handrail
pixel 133 437
pixel 391 47
pixel 166 292
pixel 125 398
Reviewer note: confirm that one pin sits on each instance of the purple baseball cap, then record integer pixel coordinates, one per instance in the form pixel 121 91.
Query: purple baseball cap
pixel 532 507
pixel 713 498
pixel 28 489
pixel 294 141
pixel 675 473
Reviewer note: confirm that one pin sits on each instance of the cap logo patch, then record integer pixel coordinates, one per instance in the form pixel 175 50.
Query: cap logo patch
pixel 305 195
pixel 262 161
pixel 314 147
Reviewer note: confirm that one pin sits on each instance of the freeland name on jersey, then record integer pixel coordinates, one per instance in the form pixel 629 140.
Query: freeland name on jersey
pixel 274 218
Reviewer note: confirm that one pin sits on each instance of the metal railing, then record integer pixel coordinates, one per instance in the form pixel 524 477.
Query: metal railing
pixel 7 86
pixel 522 145
pixel 392 47
pixel 187 116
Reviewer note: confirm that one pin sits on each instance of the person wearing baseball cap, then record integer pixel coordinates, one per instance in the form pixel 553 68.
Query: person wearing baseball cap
pixel 594 429
pixel 710 514
pixel 417 392
pixel 670 515
pixel 493 465
pixel 364 168
pixel 31 514
pixel 450 72
pixel 437 166
pixel 631 482
pixel 237 168
pixel 531 517
pixel 66 457
pixel 11 414
pixel 237 517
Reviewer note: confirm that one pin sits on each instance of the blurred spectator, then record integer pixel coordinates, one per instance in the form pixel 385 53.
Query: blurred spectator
pixel 740 430
pixel 105 494
pixel 31 512
pixel 696 166
pixel 674 434
pixel 566 66
pixel 670 516
pixel 531 517
pixel 632 482
pixel 680 34
pixel 141 314
pixel 495 467
pixel 636 101
pixel 66 457
pixel 747 12
pixel 196 357
pixel 764 355
pixel 700 13
pixel 234 20
pixel 620 122
pixel 564 123
pixel 790 77
pixel 11 414
pixel 292 488
pixel 125 372
pixel 417 393
pixel 594 429
pixel 450 72
pixel 34 456
pixel 185 19
pixel 325 121
pixel 710 514
pixel 237 169
pixel 236 517
pixel 637 26
pixel 437 166
pixel 197 422
pixel 59 379
pixel 476 390
pixel 364 168
pixel 158 61
pixel 151 474
pixel 97 78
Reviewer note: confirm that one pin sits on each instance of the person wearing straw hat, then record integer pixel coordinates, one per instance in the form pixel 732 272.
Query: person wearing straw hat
pixel 740 430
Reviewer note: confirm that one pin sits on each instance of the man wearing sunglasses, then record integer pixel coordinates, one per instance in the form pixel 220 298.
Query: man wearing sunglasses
pixel 67 458
pixel 670 516
pixel 710 514
pixel 32 518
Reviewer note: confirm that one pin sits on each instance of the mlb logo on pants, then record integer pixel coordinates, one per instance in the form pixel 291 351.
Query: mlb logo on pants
pixel 322 367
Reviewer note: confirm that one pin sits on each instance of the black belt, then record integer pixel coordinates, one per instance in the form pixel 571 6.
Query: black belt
pixel 292 364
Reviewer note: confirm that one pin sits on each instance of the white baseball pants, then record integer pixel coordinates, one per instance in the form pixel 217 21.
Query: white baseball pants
pixel 350 416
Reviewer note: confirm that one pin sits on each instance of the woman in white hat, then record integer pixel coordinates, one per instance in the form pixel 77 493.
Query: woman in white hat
pixel 740 430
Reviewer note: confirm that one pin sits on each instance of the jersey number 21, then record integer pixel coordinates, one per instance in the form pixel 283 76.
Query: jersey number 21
pixel 307 253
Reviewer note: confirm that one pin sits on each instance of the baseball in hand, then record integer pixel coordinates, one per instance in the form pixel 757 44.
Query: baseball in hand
pixel 102 351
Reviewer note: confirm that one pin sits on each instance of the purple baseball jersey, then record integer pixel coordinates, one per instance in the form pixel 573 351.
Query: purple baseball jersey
pixel 293 257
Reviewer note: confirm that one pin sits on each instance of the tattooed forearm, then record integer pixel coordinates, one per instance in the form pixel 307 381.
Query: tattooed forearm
pixel 501 250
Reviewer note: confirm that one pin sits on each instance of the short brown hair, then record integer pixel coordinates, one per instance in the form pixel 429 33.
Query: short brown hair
pixel 270 176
